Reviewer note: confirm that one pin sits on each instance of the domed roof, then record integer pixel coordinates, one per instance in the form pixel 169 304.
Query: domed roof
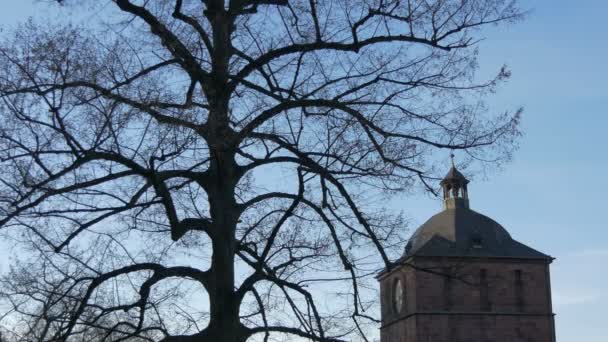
pixel 460 231
pixel 464 232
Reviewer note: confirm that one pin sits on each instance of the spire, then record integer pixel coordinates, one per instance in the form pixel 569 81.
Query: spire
pixel 454 185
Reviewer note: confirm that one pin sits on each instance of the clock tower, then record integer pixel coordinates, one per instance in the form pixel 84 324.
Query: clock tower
pixel 463 278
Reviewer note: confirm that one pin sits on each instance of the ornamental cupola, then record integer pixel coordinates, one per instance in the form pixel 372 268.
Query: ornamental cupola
pixel 455 192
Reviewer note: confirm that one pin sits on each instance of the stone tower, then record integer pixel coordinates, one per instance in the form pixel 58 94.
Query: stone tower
pixel 463 278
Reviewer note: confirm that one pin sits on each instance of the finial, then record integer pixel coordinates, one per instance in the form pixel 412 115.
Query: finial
pixel 452 156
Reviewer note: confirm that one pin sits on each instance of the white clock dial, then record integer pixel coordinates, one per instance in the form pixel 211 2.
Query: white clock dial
pixel 398 295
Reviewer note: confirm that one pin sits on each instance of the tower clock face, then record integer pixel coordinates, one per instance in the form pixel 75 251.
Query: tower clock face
pixel 398 296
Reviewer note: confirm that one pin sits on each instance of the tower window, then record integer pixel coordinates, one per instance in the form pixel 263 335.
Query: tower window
pixel 485 304
pixel 519 290
pixel 476 241
pixel 447 289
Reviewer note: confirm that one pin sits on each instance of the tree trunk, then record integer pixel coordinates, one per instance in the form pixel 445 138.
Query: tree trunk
pixel 224 325
pixel 224 322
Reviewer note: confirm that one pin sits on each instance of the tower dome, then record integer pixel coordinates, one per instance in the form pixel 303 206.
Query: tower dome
pixel 460 231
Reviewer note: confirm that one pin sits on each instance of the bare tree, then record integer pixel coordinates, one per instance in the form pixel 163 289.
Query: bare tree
pixel 258 135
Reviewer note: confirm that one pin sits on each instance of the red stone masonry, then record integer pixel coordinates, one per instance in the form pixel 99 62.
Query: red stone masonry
pixel 447 300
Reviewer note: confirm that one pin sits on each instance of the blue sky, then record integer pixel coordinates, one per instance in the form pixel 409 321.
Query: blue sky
pixel 554 193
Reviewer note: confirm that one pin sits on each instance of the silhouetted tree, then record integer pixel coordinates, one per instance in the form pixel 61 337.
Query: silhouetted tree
pixel 239 149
